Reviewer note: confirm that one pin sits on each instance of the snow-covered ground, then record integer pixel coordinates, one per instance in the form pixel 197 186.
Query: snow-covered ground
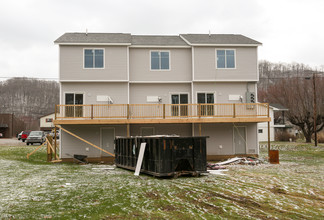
pixel 294 189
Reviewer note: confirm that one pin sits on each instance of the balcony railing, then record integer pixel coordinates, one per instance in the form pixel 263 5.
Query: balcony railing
pixel 162 111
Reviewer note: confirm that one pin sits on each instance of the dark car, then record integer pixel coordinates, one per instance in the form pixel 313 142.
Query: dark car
pixel 24 135
pixel 36 137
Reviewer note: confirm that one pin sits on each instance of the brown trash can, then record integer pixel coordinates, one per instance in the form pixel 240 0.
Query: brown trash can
pixel 274 156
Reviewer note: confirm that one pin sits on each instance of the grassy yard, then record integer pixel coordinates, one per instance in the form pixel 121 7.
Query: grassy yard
pixel 35 189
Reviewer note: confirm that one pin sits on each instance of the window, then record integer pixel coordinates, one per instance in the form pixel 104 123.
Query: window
pixel 72 99
pixel 93 58
pixel 207 99
pixel 225 59
pixel 49 119
pixel 177 107
pixel 260 131
pixel 160 60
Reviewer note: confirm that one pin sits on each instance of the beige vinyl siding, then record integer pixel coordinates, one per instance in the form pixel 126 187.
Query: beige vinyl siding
pixel 183 130
pixel 245 68
pixel 223 90
pixel 140 65
pixel 90 133
pixel 72 68
pixel 222 135
pixel 140 91
pixel 117 91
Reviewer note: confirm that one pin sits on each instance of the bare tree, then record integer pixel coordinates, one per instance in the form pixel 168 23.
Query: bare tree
pixel 296 93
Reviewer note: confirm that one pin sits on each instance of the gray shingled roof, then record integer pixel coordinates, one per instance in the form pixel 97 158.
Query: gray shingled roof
pixel 218 39
pixel 101 38
pixel 151 40
pixel 279 107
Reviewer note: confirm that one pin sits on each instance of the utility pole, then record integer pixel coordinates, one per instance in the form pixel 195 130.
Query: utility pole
pixel 315 106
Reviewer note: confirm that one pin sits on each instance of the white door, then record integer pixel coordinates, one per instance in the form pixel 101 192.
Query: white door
pixel 107 136
pixel 240 140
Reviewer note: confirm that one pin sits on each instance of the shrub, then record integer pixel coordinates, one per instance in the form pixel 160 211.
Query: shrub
pixel 285 136
pixel 320 137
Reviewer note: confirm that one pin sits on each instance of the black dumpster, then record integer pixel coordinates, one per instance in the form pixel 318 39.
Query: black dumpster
pixel 164 155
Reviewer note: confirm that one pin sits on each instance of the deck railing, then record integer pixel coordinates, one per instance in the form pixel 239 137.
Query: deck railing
pixel 161 111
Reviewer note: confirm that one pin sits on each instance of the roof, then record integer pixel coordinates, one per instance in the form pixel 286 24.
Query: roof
pixel 94 38
pixel 219 39
pixel 155 40
pixel 158 40
pixel 3 125
pixel 278 107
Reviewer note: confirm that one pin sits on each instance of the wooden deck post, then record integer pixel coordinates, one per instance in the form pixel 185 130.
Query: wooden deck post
pixel 163 110
pixel 91 111
pixel 199 110
pixel 234 113
pixel 199 129
pixel 55 138
pixel 128 130
pixel 55 112
pixel 49 153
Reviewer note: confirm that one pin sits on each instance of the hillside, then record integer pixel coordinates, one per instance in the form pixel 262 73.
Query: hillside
pixel 27 97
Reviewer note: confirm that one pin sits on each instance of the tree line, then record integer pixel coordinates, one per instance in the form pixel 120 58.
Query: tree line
pixel 28 98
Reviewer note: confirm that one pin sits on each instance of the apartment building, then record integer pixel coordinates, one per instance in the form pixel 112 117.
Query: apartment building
pixel 115 84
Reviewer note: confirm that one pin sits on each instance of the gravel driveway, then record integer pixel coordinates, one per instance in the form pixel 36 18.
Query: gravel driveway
pixel 10 142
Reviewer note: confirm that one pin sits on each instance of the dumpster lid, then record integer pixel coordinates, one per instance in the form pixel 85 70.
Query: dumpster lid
pixel 161 136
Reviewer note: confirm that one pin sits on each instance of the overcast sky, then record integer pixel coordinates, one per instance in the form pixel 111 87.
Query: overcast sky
pixel 290 30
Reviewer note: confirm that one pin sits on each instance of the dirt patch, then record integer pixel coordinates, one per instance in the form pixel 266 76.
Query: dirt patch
pixel 152 195
pixel 278 190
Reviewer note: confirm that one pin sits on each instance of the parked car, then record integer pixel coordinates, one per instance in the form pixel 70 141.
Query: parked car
pixel 36 137
pixel 57 134
pixel 24 135
pixel 1 135
pixel 19 136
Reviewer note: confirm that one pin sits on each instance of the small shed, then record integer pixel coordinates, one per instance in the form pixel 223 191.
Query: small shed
pixel 46 122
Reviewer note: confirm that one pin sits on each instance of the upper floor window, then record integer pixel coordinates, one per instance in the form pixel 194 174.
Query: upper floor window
pixel 160 60
pixel 225 59
pixel 93 58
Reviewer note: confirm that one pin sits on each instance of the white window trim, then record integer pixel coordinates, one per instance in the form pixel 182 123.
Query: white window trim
pixel 214 92
pixel 160 70
pixel 225 58
pixel 83 100
pixel 93 68
pixel 178 93
pixel 74 96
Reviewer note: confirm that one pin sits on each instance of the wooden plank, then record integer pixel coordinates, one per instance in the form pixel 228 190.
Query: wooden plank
pixel 28 155
pixel 85 141
pixel 53 150
pixel 140 159
pixel 161 121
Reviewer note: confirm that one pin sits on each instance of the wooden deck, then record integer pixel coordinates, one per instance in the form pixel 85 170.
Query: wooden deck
pixel 161 113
